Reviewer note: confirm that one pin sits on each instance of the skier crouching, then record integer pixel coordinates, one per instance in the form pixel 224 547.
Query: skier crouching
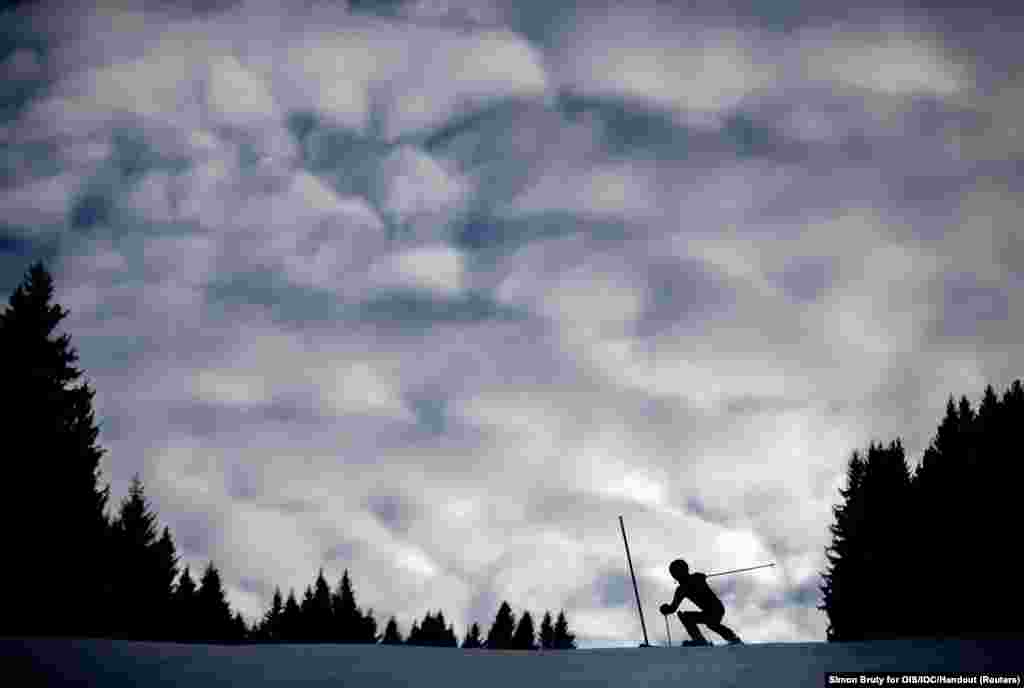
pixel 695 586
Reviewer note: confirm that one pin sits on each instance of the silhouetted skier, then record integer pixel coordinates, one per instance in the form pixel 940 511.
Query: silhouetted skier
pixel 695 586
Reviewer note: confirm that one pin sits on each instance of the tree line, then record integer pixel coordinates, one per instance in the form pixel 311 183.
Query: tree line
pixel 504 634
pixel 921 553
pixel 118 576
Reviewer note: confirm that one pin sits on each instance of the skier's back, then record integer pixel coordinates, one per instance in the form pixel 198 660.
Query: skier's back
pixel 695 587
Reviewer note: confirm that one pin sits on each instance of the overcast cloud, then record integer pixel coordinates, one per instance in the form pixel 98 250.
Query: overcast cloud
pixel 434 291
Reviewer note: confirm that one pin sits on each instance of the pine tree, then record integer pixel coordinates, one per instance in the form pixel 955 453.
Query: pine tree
pixel 322 615
pixel 391 634
pixel 307 615
pixel 547 632
pixel 165 566
pixel 443 635
pixel 940 487
pixel 52 422
pixel 887 534
pixel 213 610
pixel 137 583
pixel 368 628
pixel 184 608
pixel 564 640
pixel 291 619
pixel 1006 471
pixel 871 541
pixel 272 620
pixel 346 614
pixel 472 640
pixel 450 639
pixel 426 631
pixel 840 590
pixel 239 631
pixel 499 637
pixel 524 636
pixel 414 634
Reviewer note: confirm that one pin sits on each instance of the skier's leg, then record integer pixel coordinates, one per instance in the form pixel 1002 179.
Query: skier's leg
pixel 724 631
pixel 713 620
pixel 690 621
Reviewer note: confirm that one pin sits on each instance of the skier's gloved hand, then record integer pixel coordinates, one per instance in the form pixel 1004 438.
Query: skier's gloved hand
pixel 665 609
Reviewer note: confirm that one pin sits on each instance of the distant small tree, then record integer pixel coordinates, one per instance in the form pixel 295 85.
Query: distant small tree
pixel 564 640
pixel 271 628
pixel 391 634
pixel 547 632
pixel 524 636
pixel 414 634
pixel 291 619
pixel 499 637
pixel 445 633
pixel 307 634
pixel 239 631
pixel 433 632
pixel 368 628
pixel 472 640
pixel 321 613
pixel 347 619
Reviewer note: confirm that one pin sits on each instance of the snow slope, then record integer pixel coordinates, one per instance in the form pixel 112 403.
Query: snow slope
pixel 121 663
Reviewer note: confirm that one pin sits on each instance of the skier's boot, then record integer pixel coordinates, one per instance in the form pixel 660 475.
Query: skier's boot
pixel 695 643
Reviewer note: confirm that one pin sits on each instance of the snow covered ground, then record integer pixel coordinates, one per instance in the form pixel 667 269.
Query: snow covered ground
pixel 119 663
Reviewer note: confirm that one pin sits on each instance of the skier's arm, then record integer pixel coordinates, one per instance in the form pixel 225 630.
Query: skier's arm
pixel 677 599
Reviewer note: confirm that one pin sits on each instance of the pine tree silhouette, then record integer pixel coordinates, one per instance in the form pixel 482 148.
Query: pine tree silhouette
pixel 841 594
pixel 291 619
pixel 137 585
pixel 524 636
pixel 368 628
pixel 239 631
pixel 52 424
pixel 185 613
pixel 429 632
pixel 391 634
pixel 306 614
pixel 938 483
pixel 547 632
pixel 414 634
pixel 564 640
pixel 472 640
pixel 321 612
pixel 890 522
pixel 887 494
pixel 349 623
pixel 165 571
pixel 443 635
pixel 347 619
pixel 213 610
pixel 271 628
pixel 499 637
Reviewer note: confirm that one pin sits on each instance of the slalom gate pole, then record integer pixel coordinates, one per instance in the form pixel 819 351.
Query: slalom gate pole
pixel 668 632
pixel 749 568
pixel 636 591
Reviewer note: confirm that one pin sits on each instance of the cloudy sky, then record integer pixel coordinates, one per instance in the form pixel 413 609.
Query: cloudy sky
pixel 434 290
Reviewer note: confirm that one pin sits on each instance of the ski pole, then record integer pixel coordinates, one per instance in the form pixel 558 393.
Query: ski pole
pixel 750 568
pixel 635 590
pixel 668 632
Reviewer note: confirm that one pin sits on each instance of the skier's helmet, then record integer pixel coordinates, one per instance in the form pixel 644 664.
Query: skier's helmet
pixel 679 569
